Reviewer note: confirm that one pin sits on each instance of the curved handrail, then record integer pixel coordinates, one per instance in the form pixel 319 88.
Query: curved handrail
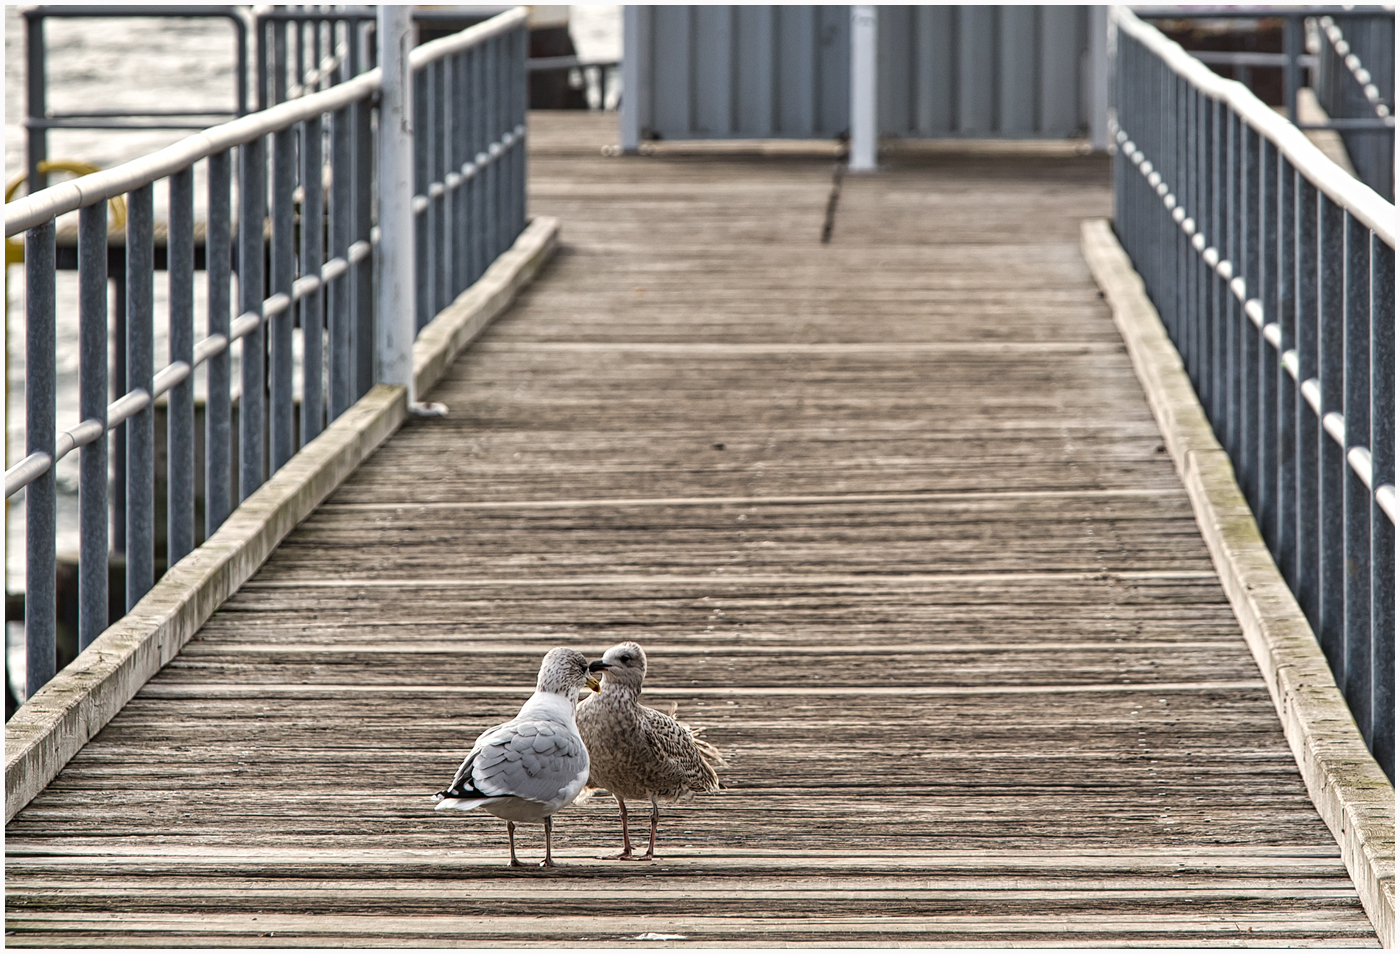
pixel 1351 194
pixel 69 196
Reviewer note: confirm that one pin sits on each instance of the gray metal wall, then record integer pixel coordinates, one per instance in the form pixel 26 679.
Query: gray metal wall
pixel 714 72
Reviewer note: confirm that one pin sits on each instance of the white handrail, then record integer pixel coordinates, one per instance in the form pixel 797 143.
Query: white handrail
pixel 1356 197
pixel 31 210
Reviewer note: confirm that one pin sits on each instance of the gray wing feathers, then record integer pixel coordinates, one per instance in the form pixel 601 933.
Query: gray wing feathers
pixel 529 760
pixel 674 743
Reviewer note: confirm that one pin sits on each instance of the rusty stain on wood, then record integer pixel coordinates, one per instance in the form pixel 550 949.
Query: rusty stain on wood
pixel 1089 756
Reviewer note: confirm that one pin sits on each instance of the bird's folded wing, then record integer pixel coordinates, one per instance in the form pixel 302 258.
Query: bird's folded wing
pixel 533 760
pixel 672 743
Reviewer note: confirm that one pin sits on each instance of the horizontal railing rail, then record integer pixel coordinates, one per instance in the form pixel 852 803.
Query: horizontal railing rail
pixel 1273 271
pixel 305 237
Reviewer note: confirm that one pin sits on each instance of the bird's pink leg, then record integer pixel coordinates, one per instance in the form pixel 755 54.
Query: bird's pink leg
pixel 655 818
pixel 510 833
pixel 548 857
pixel 626 853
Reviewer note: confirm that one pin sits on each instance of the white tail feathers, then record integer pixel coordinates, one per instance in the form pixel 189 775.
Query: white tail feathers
pixel 460 804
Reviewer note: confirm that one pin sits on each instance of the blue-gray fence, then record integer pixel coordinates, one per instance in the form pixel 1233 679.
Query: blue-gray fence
pixel 1355 82
pixel 309 160
pixel 1274 273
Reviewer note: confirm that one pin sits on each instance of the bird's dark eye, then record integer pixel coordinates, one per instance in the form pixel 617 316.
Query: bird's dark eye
pixel 625 658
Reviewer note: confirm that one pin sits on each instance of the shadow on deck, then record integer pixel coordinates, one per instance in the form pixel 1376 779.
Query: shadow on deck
pixel 891 518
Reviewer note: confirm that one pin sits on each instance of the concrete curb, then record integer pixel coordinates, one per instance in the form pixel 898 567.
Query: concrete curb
pixel 59 719
pixel 1351 793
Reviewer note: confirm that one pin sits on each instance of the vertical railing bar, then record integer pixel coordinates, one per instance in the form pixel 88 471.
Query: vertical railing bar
pixel 1382 441
pixel 490 93
pixel 179 523
pixel 218 262
pixel 1331 356
pixel 1250 339
pixel 140 427
pixel 422 220
pixel 1286 433
pixel 339 293
pixel 1268 357
pixel 441 137
pixel 1356 496
pixel 40 434
pixel 116 271
pixel 312 256
pixel 364 271
pixel 281 274
pixel 478 185
pixel 461 248
pixel 1230 313
pixel 93 507
pixel 252 213
pixel 1308 425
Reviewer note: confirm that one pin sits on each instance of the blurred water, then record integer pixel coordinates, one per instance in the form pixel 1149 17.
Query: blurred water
pixel 138 63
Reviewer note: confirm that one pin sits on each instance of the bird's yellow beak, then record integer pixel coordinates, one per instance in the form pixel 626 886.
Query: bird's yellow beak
pixel 593 684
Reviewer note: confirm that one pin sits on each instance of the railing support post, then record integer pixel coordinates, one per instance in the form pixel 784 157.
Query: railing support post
pixel 864 96
pixel 630 110
pixel 396 329
pixel 1098 77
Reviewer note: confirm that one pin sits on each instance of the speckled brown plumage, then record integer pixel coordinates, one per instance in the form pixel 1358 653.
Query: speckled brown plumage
pixel 637 752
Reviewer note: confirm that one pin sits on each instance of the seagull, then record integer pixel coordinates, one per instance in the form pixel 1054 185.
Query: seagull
pixel 528 768
pixel 638 752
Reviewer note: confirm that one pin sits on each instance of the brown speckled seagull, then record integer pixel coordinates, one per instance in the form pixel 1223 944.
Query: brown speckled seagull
pixel 636 752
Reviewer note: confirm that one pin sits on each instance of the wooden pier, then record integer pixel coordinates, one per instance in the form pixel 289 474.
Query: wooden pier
pixel 895 525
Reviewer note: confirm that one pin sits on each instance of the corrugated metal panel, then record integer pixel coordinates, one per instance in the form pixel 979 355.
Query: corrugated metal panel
pixel 743 71
pixel 784 71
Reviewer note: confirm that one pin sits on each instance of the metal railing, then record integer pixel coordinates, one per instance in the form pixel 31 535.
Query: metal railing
pixel 309 160
pixel 1355 83
pixel 1274 273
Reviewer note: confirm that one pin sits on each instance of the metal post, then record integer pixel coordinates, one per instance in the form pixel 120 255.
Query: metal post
pixel 1287 481
pixel 218 263
pixel 281 274
pixel 36 83
pixel 1308 425
pixel 363 271
pixel 40 497
pixel 424 220
pixel 140 427
pixel 397 298
pixel 1356 496
pixel 1382 436
pixel 1098 82
pixel 1292 48
pixel 252 210
pixel 864 96
pixel 179 524
pixel 630 109
pixel 1331 359
pixel 118 457
pixel 312 242
pixel 92 405
pixel 339 317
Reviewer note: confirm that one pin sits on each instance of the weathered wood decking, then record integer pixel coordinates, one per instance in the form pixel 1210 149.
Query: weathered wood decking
pixel 894 524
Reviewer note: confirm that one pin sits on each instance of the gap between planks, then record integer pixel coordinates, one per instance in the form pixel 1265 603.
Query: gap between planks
pixel 185 690
pixel 737 578
pixel 468 647
pixel 789 500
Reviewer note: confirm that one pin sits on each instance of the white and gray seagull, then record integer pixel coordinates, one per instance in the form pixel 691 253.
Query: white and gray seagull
pixel 527 769
pixel 637 752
